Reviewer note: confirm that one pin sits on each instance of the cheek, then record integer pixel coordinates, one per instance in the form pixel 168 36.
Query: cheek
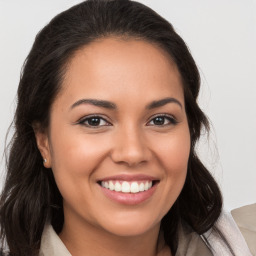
pixel 77 154
pixel 75 159
pixel 175 164
pixel 174 152
pixel 173 155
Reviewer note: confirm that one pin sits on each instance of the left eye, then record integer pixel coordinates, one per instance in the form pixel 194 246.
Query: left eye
pixel 162 120
pixel 94 121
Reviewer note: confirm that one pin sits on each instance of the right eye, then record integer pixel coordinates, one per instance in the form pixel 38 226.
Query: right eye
pixel 94 122
pixel 162 120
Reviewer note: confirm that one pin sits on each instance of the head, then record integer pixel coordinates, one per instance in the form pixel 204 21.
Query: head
pixel 81 36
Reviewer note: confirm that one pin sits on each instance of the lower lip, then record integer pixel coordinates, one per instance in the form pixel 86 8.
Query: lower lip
pixel 129 198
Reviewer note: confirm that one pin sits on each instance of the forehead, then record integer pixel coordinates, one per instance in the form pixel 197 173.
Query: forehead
pixel 111 67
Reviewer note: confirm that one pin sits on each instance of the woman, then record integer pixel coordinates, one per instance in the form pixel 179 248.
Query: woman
pixel 103 159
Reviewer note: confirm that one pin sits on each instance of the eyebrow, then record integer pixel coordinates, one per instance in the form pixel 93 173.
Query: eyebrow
pixel 162 102
pixel 111 105
pixel 98 103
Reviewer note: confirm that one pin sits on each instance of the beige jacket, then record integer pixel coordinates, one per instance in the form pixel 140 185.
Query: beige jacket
pixel 190 243
pixel 245 218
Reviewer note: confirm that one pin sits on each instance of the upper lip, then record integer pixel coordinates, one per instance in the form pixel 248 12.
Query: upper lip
pixel 126 177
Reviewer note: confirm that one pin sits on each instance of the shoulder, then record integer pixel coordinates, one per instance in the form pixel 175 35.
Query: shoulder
pixel 227 228
pixel 213 241
pixel 190 243
pixel 245 218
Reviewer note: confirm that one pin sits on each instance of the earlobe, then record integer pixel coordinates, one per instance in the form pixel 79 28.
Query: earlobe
pixel 42 140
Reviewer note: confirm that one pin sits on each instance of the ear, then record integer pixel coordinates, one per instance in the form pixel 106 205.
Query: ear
pixel 42 140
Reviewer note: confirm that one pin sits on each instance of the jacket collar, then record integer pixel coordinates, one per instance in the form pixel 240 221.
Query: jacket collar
pixel 51 244
pixel 190 244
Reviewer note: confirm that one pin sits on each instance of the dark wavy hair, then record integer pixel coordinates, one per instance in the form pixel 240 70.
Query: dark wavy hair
pixel 30 196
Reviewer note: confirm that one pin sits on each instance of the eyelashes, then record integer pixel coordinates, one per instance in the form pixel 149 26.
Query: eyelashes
pixel 94 121
pixel 97 121
pixel 162 120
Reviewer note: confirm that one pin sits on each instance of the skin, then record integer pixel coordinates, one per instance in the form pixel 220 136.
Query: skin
pixel 131 74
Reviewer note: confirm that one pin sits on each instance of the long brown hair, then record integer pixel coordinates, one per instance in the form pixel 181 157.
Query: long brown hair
pixel 30 195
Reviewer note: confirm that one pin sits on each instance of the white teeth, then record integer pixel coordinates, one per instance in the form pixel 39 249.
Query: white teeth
pixel 135 187
pixel 142 187
pixel 118 187
pixel 111 185
pixel 146 186
pixel 127 187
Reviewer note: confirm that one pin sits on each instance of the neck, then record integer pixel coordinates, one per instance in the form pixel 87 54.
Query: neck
pixel 87 239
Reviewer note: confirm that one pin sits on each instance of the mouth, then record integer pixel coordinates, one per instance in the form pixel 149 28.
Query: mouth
pixel 124 186
pixel 128 190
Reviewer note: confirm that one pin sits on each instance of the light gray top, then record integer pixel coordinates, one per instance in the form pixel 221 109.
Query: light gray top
pixel 190 243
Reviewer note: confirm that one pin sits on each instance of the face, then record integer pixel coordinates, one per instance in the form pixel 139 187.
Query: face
pixel 118 140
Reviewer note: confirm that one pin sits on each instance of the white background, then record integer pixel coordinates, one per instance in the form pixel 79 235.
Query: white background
pixel 221 35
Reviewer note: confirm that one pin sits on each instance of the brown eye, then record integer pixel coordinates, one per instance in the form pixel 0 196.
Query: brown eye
pixel 94 122
pixel 162 120
pixel 159 120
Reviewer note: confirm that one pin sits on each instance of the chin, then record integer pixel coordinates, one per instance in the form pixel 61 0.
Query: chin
pixel 130 226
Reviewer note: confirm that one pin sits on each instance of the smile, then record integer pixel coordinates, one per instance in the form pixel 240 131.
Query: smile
pixel 127 186
pixel 129 190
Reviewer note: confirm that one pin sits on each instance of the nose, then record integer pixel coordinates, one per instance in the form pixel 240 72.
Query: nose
pixel 130 147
